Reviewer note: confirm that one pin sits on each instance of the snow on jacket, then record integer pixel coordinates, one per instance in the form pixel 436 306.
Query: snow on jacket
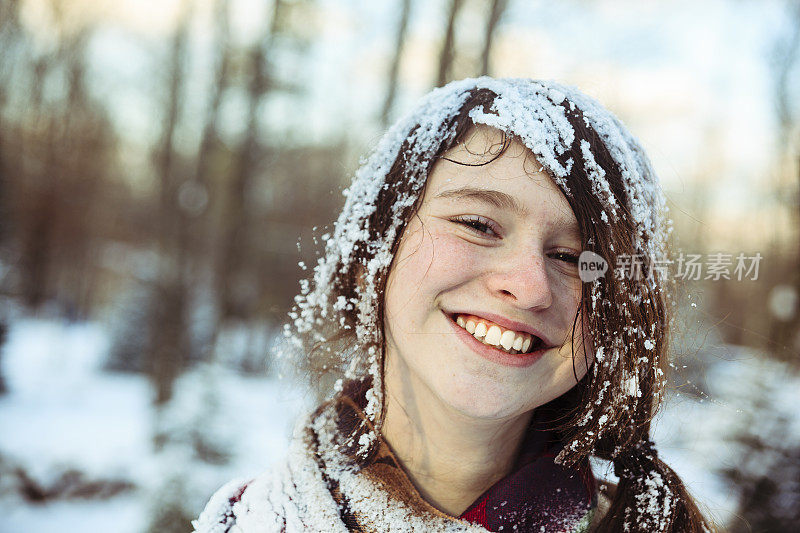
pixel 319 488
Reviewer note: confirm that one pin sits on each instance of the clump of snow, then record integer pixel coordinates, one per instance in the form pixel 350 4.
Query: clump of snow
pixel 599 354
pixel 597 177
pixel 631 387
pixel 654 505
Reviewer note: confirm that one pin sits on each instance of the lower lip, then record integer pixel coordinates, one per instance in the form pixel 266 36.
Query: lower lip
pixel 493 354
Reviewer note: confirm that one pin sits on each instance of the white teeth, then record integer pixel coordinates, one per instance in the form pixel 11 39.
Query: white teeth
pixel 493 336
pixel 518 340
pixel 507 339
pixel 526 344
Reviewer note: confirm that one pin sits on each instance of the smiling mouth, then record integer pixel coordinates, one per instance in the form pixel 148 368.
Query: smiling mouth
pixel 505 340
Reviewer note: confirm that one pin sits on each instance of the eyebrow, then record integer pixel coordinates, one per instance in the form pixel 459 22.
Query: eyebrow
pixel 499 200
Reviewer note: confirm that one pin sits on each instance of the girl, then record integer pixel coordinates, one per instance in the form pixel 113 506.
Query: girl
pixel 482 361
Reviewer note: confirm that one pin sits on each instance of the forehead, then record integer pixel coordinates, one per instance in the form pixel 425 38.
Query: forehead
pixel 500 172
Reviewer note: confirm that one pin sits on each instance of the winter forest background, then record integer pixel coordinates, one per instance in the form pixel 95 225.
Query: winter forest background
pixel 161 160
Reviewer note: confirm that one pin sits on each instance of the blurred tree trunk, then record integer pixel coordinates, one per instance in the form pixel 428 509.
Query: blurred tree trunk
pixel 234 280
pixel 785 335
pixel 9 36
pixel 391 91
pixel 204 232
pixel 81 127
pixel 36 237
pixel 447 54
pixel 210 136
pixel 495 13
pixel 8 30
pixel 168 329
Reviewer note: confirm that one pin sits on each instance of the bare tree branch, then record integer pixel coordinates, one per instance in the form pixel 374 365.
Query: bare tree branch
pixel 400 40
pixel 495 13
pixel 221 45
pixel 447 54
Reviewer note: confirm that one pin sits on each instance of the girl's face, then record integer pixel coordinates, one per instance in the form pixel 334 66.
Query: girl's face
pixel 493 249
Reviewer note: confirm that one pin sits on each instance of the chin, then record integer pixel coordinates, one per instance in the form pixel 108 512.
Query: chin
pixel 486 401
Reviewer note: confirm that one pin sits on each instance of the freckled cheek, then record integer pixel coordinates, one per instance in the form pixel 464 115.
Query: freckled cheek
pixel 455 257
pixel 567 298
pixel 433 255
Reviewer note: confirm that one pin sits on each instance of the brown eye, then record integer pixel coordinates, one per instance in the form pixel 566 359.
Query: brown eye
pixel 478 224
pixel 566 257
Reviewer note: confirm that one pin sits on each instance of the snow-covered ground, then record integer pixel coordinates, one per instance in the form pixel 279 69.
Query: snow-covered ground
pixel 62 412
pixel 740 393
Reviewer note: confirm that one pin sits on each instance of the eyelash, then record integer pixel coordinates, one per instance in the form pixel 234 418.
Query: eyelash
pixel 484 226
pixel 566 257
pixel 477 224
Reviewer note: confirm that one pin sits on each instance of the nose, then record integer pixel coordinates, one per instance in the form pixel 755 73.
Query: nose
pixel 522 281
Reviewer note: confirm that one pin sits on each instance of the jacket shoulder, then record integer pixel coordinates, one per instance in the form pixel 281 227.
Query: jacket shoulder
pixel 219 515
pixel 277 500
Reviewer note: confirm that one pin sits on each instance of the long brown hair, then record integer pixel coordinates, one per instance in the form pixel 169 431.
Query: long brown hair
pixel 608 412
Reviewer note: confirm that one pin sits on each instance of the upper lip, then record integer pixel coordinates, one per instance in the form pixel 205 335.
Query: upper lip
pixel 506 323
